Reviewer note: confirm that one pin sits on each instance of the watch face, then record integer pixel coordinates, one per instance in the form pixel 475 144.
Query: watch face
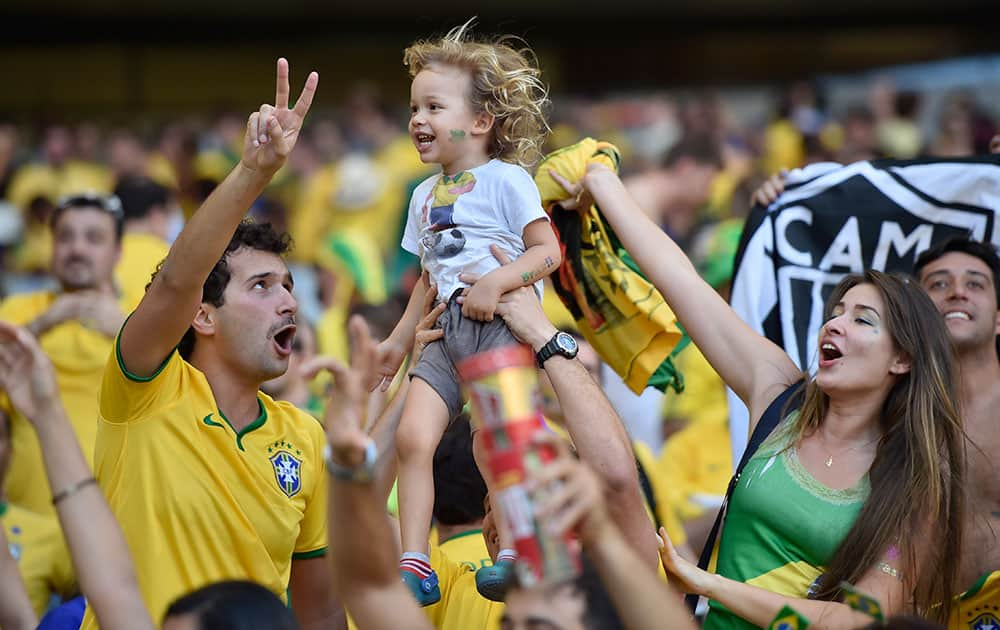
pixel 566 343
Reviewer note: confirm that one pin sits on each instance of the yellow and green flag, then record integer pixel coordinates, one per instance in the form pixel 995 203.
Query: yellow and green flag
pixel 615 308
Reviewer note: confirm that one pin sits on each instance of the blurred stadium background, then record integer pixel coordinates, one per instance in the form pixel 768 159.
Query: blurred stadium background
pixel 99 89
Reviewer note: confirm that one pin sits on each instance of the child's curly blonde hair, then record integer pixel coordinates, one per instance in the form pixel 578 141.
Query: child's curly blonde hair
pixel 506 84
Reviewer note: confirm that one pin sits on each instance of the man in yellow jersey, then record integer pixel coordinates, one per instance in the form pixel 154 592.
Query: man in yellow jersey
pixel 210 478
pixel 147 209
pixel 34 540
pixel 75 326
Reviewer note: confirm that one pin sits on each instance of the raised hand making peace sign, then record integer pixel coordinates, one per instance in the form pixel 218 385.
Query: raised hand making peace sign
pixel 273 130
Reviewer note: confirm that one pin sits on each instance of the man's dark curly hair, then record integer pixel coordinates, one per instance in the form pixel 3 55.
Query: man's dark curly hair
pixel 249 235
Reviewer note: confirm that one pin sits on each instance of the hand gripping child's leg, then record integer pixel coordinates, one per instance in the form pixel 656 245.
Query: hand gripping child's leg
pixel 424 420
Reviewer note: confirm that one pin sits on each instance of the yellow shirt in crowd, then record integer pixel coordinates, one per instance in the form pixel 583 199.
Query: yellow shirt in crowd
pixel 461 606
pixel 467 548
pixel 78 355
pixel 697 459
pixel 36 544
pixel 141 253
pixel 696 465
pixel 198 501
pixel 661 509
pixel 979 607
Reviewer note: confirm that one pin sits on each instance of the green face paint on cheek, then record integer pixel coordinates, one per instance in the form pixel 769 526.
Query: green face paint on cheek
pixel 457 135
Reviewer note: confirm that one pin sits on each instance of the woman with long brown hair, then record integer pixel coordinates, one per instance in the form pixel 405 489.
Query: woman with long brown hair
pixel 861 480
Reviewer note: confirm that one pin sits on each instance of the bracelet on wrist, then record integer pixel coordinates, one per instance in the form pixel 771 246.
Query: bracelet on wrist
pixel 358 474
pixel 73 489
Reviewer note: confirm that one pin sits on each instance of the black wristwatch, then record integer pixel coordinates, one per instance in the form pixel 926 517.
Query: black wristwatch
pixel 562 343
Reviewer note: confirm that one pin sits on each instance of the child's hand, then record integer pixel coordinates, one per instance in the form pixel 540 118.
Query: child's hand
pixel 479 302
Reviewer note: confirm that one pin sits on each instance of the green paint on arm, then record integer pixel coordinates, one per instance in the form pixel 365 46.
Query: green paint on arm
pixel 528 276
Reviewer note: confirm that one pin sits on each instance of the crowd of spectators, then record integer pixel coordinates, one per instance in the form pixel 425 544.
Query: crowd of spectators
pixel 691 161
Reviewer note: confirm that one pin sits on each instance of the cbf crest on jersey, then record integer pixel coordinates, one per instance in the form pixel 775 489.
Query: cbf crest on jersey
pixel 287 472
pixel 985 621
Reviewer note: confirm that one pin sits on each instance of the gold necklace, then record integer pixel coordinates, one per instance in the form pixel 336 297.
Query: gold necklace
pixel 829 456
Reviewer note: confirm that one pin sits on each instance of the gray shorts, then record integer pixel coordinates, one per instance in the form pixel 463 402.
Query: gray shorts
pixel 463 337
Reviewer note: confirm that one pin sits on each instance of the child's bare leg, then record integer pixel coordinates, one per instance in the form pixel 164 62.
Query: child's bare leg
pixel 423 422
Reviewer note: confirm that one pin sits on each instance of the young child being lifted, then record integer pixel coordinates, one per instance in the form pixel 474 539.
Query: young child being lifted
pixel 476 109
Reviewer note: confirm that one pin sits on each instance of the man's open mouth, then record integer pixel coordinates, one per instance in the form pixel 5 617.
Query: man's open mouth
pixel 284 337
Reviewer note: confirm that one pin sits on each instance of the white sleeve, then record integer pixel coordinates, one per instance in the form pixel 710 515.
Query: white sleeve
pixel 411 234
pixel 520 202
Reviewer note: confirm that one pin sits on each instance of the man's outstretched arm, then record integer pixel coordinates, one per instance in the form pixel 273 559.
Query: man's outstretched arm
pixel 365 576
pixel 593 425
pixel 172 300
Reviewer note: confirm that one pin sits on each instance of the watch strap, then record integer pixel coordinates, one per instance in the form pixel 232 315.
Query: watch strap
pixel 361 474
pixel 546 352
pixel 549 350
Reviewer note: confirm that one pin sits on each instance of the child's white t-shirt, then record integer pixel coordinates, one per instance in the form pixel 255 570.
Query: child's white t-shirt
pixel 453 221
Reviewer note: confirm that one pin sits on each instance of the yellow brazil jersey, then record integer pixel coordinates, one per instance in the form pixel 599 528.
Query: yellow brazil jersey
pixel 461 606
pixel 79 355
pixel 979 607
pixel 37 546
pixel 467 548
pixel 198 501
pixel 141 253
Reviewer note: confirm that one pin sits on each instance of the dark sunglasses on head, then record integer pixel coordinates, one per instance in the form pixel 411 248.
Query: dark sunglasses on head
pixel 108 203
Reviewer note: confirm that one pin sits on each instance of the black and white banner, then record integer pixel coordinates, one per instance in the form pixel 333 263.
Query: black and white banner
pixel 833 220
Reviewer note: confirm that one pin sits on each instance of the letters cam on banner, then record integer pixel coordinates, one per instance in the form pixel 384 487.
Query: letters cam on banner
pixel 833 220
